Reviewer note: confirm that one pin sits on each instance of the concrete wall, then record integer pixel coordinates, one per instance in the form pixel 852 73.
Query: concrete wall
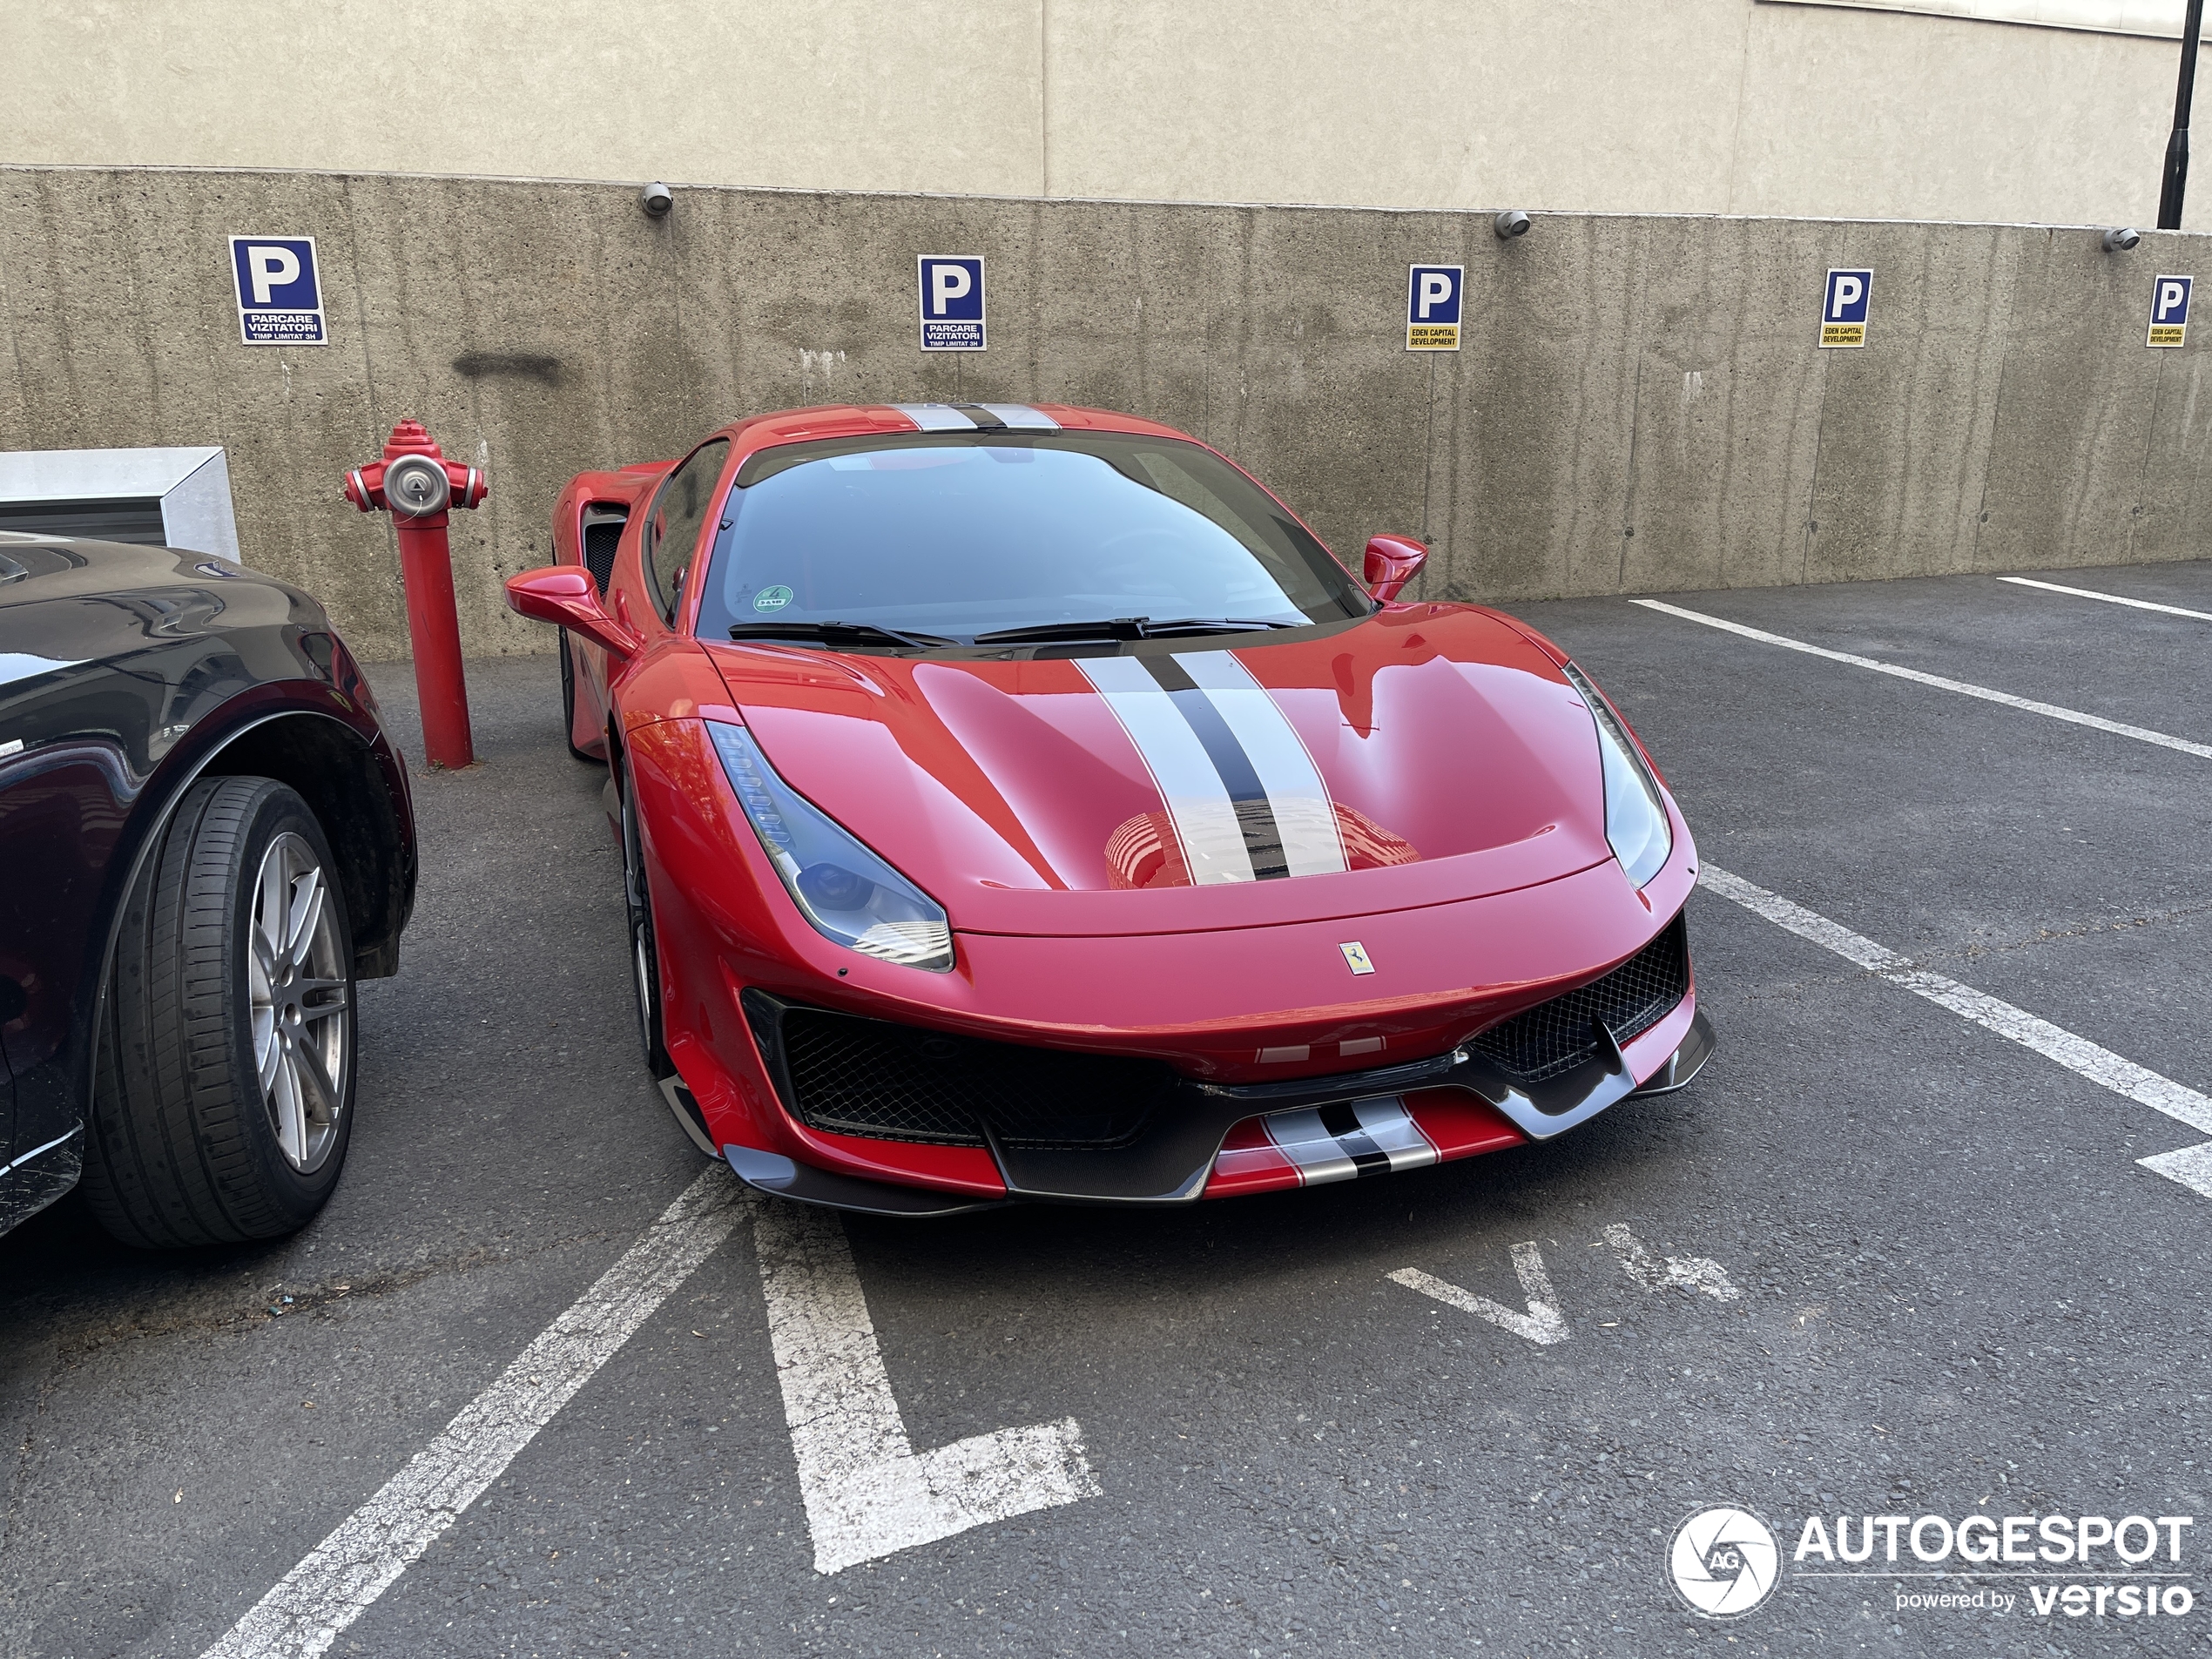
pixel 1640 405
pixel 1703 106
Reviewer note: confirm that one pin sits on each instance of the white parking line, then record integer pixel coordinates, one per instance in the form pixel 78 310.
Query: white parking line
pixel 2110 599
pixel 2141 734
pixel 1699 1273
pixel 343 1576
pixel 867 1492
pixel 1543 1323
pixel 2191 1165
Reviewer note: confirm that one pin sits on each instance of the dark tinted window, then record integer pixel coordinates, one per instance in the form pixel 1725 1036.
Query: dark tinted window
pixel 138 521
pixel 958 535
pixel 680 512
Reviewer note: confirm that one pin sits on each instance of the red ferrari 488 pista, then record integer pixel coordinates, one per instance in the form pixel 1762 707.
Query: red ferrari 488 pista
pixel 1021 803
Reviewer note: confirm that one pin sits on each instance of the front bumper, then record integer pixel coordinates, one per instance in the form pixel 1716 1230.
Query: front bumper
pixel 1179 1158
pixel 1246 1017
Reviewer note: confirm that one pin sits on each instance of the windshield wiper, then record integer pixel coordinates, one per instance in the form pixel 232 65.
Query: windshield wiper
pixel 1113 628
pixel 838 633
pixel 1211 625
pixel 1125 628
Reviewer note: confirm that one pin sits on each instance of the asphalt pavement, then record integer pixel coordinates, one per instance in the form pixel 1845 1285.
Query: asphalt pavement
pixel 1890 1255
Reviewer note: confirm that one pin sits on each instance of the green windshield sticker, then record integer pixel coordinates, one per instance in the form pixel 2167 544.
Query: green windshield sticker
pixel 773 599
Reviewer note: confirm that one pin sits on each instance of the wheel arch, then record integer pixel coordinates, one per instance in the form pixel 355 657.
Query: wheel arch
pixel 326 763
pixel 347 782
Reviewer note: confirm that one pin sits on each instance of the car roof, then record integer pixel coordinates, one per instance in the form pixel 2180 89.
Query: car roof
pixel 860 420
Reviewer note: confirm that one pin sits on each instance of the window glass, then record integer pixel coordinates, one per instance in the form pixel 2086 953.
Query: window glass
pixel 956 535
pixel 679 513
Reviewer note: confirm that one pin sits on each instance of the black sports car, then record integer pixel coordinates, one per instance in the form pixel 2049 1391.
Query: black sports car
pixel 206 839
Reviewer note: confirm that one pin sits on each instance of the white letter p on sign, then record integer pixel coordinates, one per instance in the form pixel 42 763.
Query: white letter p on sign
pixel 1848 289
pixel 2170 295
pixel 1436 288
pixel 947 284
pixel 271 267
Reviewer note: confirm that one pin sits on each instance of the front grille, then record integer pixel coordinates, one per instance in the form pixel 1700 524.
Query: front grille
pixel 894 1082
pixel 1561 1034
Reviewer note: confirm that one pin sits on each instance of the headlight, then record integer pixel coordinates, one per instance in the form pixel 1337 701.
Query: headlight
pixel 1635 816
pixel 846 890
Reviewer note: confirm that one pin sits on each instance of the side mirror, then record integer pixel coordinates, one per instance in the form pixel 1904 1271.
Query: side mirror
pixel 1392 561
pixel 562 595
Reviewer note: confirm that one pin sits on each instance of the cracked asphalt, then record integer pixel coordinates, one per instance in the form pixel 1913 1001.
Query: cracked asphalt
pixel 1958 1291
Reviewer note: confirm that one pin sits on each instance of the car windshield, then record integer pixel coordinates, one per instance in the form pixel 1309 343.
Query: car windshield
pixel 951 537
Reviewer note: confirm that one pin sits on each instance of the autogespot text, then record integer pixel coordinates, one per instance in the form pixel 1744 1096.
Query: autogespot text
pixel 2137 1553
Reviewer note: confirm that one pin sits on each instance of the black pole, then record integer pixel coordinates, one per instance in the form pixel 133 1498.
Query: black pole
pixel 2177 149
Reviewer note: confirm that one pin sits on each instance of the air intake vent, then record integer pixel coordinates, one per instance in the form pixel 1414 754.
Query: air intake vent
pixel 858 1076
pixel 1558 1035
pixel 602 536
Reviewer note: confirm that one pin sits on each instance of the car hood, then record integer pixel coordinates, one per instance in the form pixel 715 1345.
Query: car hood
pixel 1427 754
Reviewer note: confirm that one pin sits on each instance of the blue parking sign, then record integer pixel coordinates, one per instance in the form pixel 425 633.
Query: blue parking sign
pixel 1432 295
pixel 280 293
pixel 952 301
pixel 2169 310
pixel 1843 307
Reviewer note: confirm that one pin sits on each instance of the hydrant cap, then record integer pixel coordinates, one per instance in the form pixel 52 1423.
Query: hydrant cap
pixel 416 486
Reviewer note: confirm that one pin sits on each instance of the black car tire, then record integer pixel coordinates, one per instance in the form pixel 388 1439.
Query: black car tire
pixel 185 1146
pixel 644 946
pixel 568 701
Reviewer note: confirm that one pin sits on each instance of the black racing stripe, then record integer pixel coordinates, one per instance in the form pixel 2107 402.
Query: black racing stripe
pixel 1340 1120
pixel 985 421
pixel 1255 815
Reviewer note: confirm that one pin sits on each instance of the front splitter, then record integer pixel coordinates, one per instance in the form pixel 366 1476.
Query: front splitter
pixel 1172 1165
pixel 783 1177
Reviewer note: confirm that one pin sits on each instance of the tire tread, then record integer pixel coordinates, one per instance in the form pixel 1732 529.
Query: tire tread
pixel 172 1158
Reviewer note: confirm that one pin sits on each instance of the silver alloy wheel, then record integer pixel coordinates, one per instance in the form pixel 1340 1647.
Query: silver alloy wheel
pixel 298 989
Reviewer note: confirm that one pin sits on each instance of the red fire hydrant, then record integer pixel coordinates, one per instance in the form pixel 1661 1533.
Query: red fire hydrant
pixel 418 484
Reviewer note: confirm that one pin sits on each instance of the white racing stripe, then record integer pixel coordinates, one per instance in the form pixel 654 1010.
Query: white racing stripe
pixel 1305 817
pixel 1021 416
pixel 936 417
pixel 343 1576
pixel 2141 734
pixel 867 1492
pixel 1197 802
pixel 2110 599
pixel 2191 1166
pixel 1386 1136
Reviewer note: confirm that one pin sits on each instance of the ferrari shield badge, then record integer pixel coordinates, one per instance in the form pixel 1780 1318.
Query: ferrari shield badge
pixel 1355 957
